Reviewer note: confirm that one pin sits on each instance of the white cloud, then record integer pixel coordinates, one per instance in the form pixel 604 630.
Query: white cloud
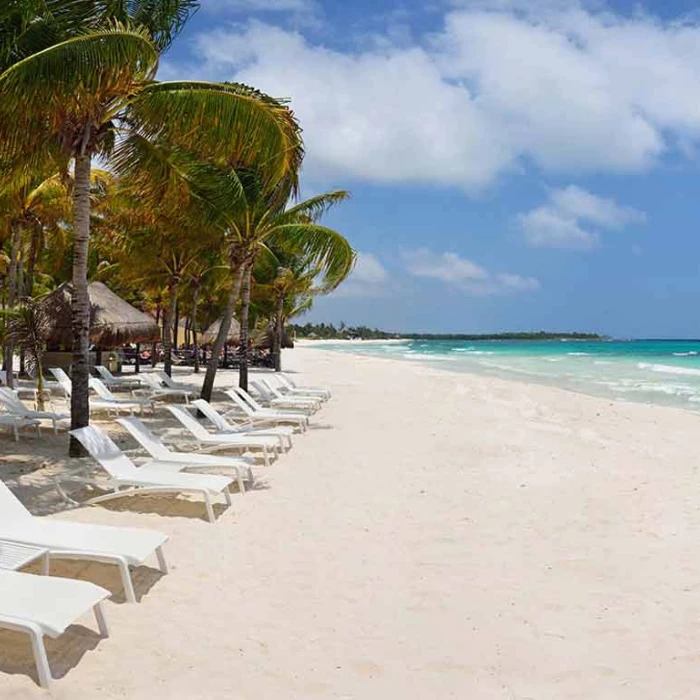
pixel 259 5
pixel 546 82
pixel 564 222
pixel 465 274
pixel 369 278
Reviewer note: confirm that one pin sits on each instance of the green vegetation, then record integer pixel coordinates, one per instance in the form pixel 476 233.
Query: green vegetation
pixel 325 331
pixel 195 216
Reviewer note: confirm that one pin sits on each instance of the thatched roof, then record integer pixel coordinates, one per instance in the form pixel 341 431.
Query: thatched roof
pixel 234 333
pixel 262 338
pixel 113 321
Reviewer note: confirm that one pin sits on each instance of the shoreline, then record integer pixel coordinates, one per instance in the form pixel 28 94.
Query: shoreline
pixel 442 364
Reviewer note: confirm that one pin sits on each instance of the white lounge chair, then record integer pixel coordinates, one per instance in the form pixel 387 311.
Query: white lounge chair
pixel 321 391
pixel 43 605
pixel 286 387
pixel 14 406
pixel 17 422
pixel 96 404
pixel 113 382
pixel 182 461
pixel 128 404
pixel 122 546
pixel 276 400
pixel 19 389
pixel 243 443
pixel 224 427
pixel 156 390
pixel 261 415
pixel 170 382
pixel 136 481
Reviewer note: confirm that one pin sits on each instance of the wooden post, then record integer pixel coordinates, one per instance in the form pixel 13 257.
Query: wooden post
pixel 137 364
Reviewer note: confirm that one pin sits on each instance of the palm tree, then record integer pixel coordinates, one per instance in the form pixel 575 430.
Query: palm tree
pixel 94 95
pixel 260 220
pixel 28 327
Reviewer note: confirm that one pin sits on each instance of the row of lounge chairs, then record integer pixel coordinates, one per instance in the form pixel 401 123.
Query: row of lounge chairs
pixel 45 606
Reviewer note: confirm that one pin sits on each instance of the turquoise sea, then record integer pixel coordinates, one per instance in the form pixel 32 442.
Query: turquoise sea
pixel 663 372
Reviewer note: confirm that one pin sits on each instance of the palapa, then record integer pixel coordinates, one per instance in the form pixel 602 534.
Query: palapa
pixel 113 321
pixel 234 333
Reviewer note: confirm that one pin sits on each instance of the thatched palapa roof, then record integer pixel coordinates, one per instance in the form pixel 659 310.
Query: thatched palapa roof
pixel 113 321
pixel 234 333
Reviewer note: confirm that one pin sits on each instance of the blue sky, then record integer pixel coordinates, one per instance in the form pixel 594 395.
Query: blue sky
pixel 514 164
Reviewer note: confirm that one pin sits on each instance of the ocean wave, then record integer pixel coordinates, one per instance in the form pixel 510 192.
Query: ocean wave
pixel 692 353
pixel 579 354
pixel 669 369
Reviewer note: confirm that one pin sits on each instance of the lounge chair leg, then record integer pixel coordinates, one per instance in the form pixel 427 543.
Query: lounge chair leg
pixel 266 457
pixel 210 510
pixel 46 564
pixel 16 432
pixel 128 584
pixel 101 619
pixel 241 484
pixel 162 564
pixel 227 497
pixel 40 659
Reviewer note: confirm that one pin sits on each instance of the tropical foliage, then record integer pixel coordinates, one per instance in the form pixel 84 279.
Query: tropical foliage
pixel 193 215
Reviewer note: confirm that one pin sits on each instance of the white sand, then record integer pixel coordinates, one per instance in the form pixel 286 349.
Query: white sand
pixel 434 536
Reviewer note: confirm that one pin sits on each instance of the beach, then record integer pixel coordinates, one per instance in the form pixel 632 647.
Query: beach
pixel 433 535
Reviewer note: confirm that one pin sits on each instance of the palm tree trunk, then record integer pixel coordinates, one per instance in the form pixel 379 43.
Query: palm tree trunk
pixel 278 335
pixel 168 314
pixel 195 338
pixel 176 323
pixel 31 263
pixel 9 351
pixel 80 307
pixel 245 313
pixel 210 376
pixel 20 293
pixel 154 346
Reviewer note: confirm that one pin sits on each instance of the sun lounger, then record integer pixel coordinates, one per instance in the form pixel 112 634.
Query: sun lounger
pixel 130 404
pixel 113 382
pixel 148 479
pixel 17 422
pixel 170 382
pixel 43 605
pixel 276 400
pixel 243 443
pixel 285 388
pixel 15 407
pixel 224 427
pixel 155 390
pixel 96 404
pixel 261 415
pixel 181 461
pixel 122 546
pixel 310 389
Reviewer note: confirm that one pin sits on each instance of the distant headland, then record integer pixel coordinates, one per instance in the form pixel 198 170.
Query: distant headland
pixel 327 331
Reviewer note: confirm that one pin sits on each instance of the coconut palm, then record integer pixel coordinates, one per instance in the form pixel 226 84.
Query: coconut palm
pixel 260 220
pixel 94 95
pixel 28 327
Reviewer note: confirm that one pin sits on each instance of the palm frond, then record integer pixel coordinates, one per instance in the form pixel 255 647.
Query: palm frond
pixel 314 208
pixel 320 246
pixel 232 124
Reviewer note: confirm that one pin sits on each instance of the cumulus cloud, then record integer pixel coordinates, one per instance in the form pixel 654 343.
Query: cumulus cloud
pixel 493 89
pixel 566 220
pixel 369 278
pixel 259 5
pixel 463 273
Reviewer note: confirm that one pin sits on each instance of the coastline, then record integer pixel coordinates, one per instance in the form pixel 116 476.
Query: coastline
pixel 436 534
